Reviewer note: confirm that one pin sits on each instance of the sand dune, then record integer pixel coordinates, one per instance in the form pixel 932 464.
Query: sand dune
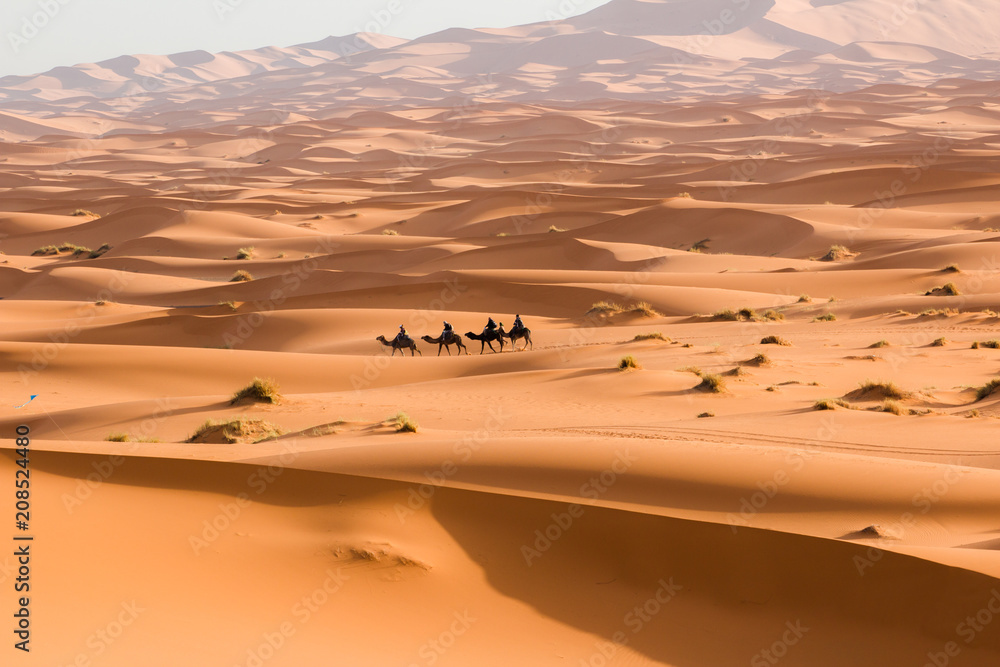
pixel 790 229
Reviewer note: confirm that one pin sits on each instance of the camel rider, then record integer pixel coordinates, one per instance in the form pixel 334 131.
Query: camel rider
pixel 490 327
pixel 448 331
pixel 518 324
pixel 401 336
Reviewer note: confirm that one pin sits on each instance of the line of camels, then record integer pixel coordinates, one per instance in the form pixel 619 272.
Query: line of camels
pixel 498 335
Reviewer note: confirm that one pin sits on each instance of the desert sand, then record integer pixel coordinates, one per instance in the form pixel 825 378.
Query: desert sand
pixel 550 509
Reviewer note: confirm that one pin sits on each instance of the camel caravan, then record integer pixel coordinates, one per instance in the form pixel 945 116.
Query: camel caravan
pixel 492 333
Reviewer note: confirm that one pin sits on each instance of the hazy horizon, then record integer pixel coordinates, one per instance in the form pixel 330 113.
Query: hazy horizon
pixel 41 34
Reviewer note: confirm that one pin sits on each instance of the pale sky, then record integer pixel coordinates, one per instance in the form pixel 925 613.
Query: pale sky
pixel 37 35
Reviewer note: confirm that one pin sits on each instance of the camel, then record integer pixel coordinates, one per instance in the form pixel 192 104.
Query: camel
pixel 405 344
pixel 515 334
pixel 487 339
pixel 446 342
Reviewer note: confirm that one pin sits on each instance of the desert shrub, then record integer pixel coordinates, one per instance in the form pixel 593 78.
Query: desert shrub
pixel 774 340
pixel 827 317
pixel 245 253
pixel 713 383
pixel 654 335
pixel 404 423
pixel 264 390
pixel 837 253
pixel 628 362
pixel 988 389
pixel 241 276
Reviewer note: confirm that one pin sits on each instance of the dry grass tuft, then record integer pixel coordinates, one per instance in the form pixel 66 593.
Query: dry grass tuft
pixel 263 390
pixel 627 363
pixel 832 404
pixel 245 253
pixel 948 289
pixel 837 253
pixel 404 424
pixel 653 335
pixel 775 340
pixel 988 389
pixel 712 383
pixel 84 213
pixel 881 343
pixel 234 431
pixel 706 415
pixel 828 317
pixel 939 342
pixel 879 390
pixel 241 276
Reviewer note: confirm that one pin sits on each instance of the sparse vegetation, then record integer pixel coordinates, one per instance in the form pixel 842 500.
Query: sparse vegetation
pixel 393 232
pixel 759 360
pixel 971 414
pixel 404 424
pixel 245 253
pixel 653 335
pixel 605 308
pixel 774 340
pixel 726 315
pixel 712 382
pixel 118 437
pixel 84 213
pixel 895 408
pixel 881 343
pixel 554 230
pixel 951 268
pixel 948 289
pixel 773 315
pixel 232 431
pixel 264 390
pixel 939 342
pixel 644 309
pixel 690 369
pixel 45 250
pixel 988 389
pixel 880 389
pixel 628 362
pixel 228 304
pixel 700 245
pixel 992 344
pixel 837 253
pixel 241 276
pixel 827 317
pixel 705 415
pixel 805 298
pixel 684 195
pixel 94 254
pixel 832 404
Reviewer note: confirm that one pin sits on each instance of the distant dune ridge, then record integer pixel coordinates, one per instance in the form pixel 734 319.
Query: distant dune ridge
pixel 634 49
pixel 756 423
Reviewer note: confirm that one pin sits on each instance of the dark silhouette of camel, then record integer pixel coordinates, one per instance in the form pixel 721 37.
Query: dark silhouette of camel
pixel 446 342
pixel 405 344
pixel 516 334
pixel 487 339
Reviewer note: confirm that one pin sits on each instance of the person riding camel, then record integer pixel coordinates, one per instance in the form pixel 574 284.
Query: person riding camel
pixel 490 327
pixel 448 331
pixel 518 324
pixel 401 336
